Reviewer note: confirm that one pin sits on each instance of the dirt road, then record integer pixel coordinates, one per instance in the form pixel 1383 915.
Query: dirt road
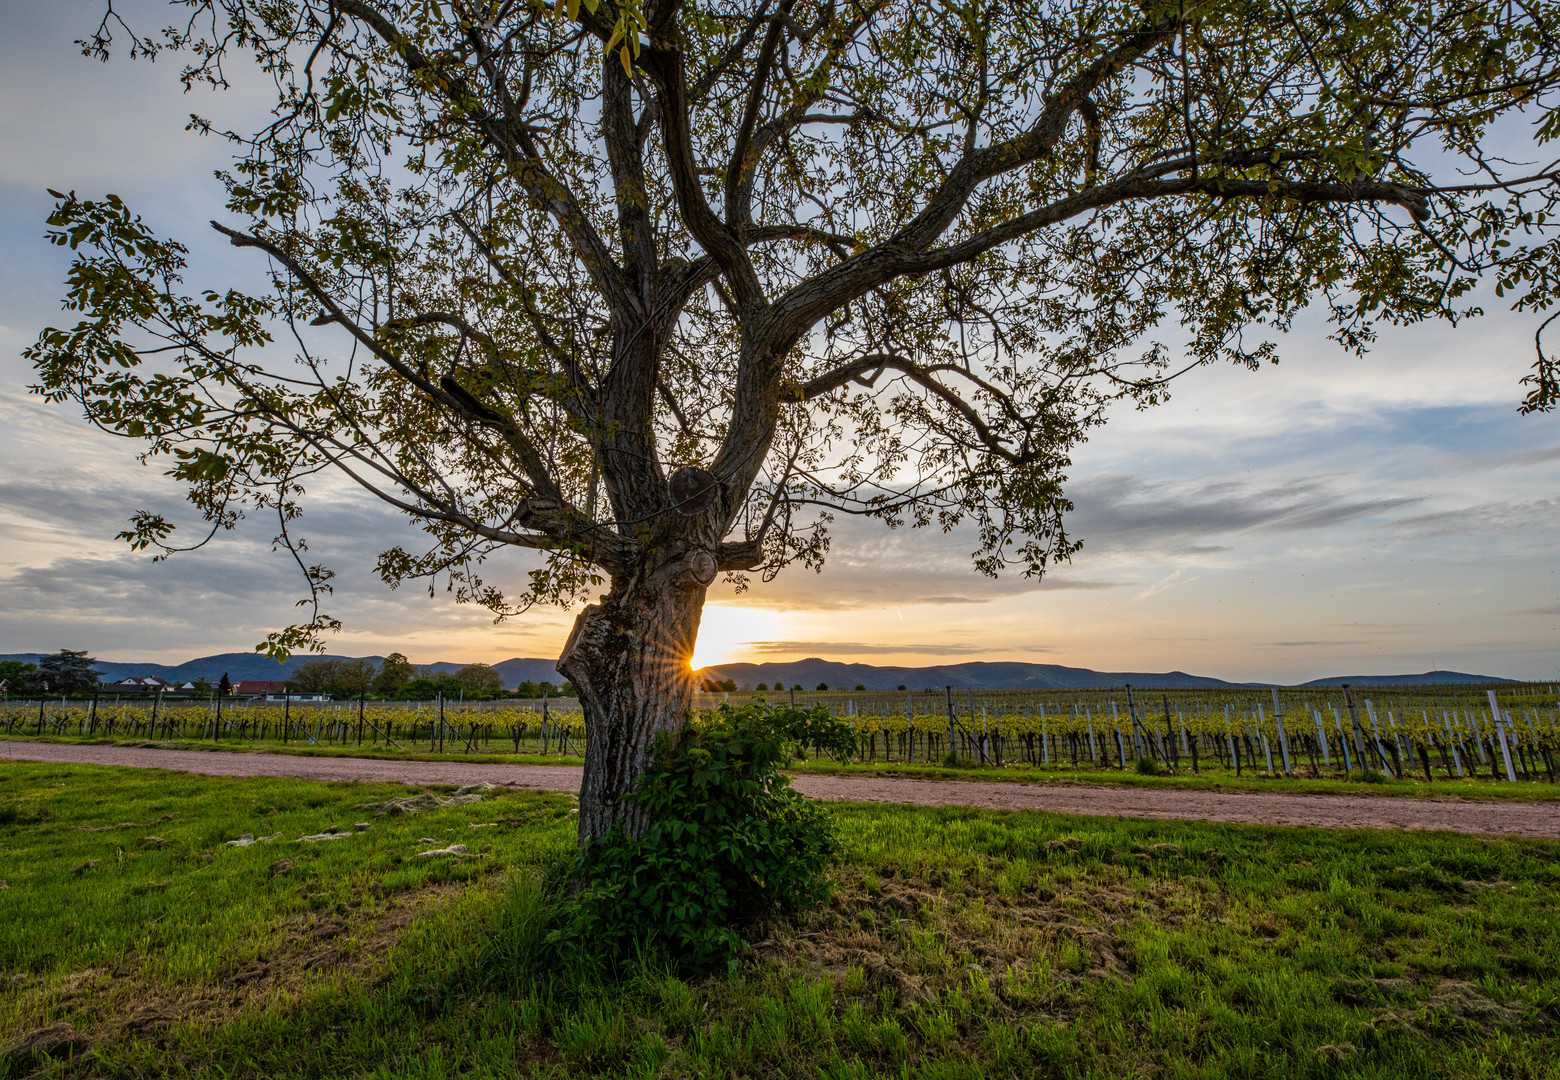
pixel 1328 811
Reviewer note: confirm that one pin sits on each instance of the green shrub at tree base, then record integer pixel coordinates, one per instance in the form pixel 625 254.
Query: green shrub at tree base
pixel 729 843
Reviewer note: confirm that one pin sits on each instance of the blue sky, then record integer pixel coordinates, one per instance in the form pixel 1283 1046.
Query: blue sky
pixel 1328 515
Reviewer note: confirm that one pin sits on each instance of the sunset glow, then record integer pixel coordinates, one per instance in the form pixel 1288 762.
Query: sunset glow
pixel 725 631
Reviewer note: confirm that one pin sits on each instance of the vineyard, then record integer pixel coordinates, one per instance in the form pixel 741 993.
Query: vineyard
pixel 1437 733
pixel 1455 732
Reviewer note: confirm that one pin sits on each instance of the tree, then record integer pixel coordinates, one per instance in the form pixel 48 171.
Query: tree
pixel 225 687
pixel 69 671
pixel 394 674
pixel 654 290
pixel 313 677
pixel 203 687
pixel 480 679
pixel 18 677
pixel 352 678
pixel 430 684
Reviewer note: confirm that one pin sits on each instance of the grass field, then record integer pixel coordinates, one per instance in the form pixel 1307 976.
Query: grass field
pixel 135 942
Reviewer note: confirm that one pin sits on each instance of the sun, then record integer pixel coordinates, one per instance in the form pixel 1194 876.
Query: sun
pixel 726 633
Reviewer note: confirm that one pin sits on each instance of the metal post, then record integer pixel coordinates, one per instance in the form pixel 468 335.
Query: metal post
pixel 1263 739
pixel 1343 740
pixel 1451 740
pixel 1121 748
pixel 1137 727
pixel 1354 720
pixel 980 740
pixel 952 731
pixel 1500 733
pixel 1381 750
pixel 1283 736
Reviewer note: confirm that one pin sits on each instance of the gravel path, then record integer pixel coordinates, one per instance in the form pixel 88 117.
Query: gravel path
pixel 1328 811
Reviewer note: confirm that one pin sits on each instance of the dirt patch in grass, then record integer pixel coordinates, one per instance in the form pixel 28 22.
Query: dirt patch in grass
pixel 1451 1002
pixel 94 1007
pixel 1464 1001
pixel 919 938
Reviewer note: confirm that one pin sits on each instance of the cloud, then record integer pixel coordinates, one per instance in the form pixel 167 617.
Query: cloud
pixel 1378 629
pixel 1308 644
pixel 1507 516
pixel 1550 609
pixel 1133 513
pixel 1531 457
pixel 229 594
pixel 871 566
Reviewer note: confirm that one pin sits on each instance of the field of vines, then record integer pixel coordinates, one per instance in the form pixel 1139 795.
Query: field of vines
pixel 449 727
pixel 1391 732
pixel 1450 733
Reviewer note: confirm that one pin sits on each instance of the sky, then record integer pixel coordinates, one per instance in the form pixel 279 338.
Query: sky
pixel 1328 515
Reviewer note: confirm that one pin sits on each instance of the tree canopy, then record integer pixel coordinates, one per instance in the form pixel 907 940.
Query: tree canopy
pixel 480 679
pixel 656 288
pixel 394 673
pixel 69 671
pixel 18 678
pixel 883 258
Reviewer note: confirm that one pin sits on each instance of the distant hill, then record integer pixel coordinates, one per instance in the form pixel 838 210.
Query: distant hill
pixel 972 675
pixel 240 666
pixel 1429 678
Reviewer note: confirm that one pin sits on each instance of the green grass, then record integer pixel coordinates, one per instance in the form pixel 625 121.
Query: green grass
pixel 301 748
pixel 960 943
pixel 1212 777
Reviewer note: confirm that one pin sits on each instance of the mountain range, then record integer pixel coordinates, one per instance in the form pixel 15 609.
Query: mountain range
pixel 239 666
pixel 980 675
pixel 973 675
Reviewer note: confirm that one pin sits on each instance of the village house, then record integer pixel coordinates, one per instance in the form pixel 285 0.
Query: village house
pixel 138 684
pixel 274 690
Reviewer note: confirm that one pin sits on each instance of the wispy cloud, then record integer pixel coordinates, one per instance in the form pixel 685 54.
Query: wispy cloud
pixel 1480 519
pixel 1311 644
pixel 1132 513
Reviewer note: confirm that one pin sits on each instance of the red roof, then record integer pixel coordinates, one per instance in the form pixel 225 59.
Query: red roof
pixel 258 687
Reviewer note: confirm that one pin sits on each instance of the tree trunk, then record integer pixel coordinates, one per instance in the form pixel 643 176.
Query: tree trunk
pixel 629 658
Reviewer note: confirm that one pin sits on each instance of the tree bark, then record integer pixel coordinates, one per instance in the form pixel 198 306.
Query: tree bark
pixel 629 657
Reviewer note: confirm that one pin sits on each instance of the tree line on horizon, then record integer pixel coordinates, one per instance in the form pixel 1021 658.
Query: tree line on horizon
pixel 73 671
pixel 398 677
